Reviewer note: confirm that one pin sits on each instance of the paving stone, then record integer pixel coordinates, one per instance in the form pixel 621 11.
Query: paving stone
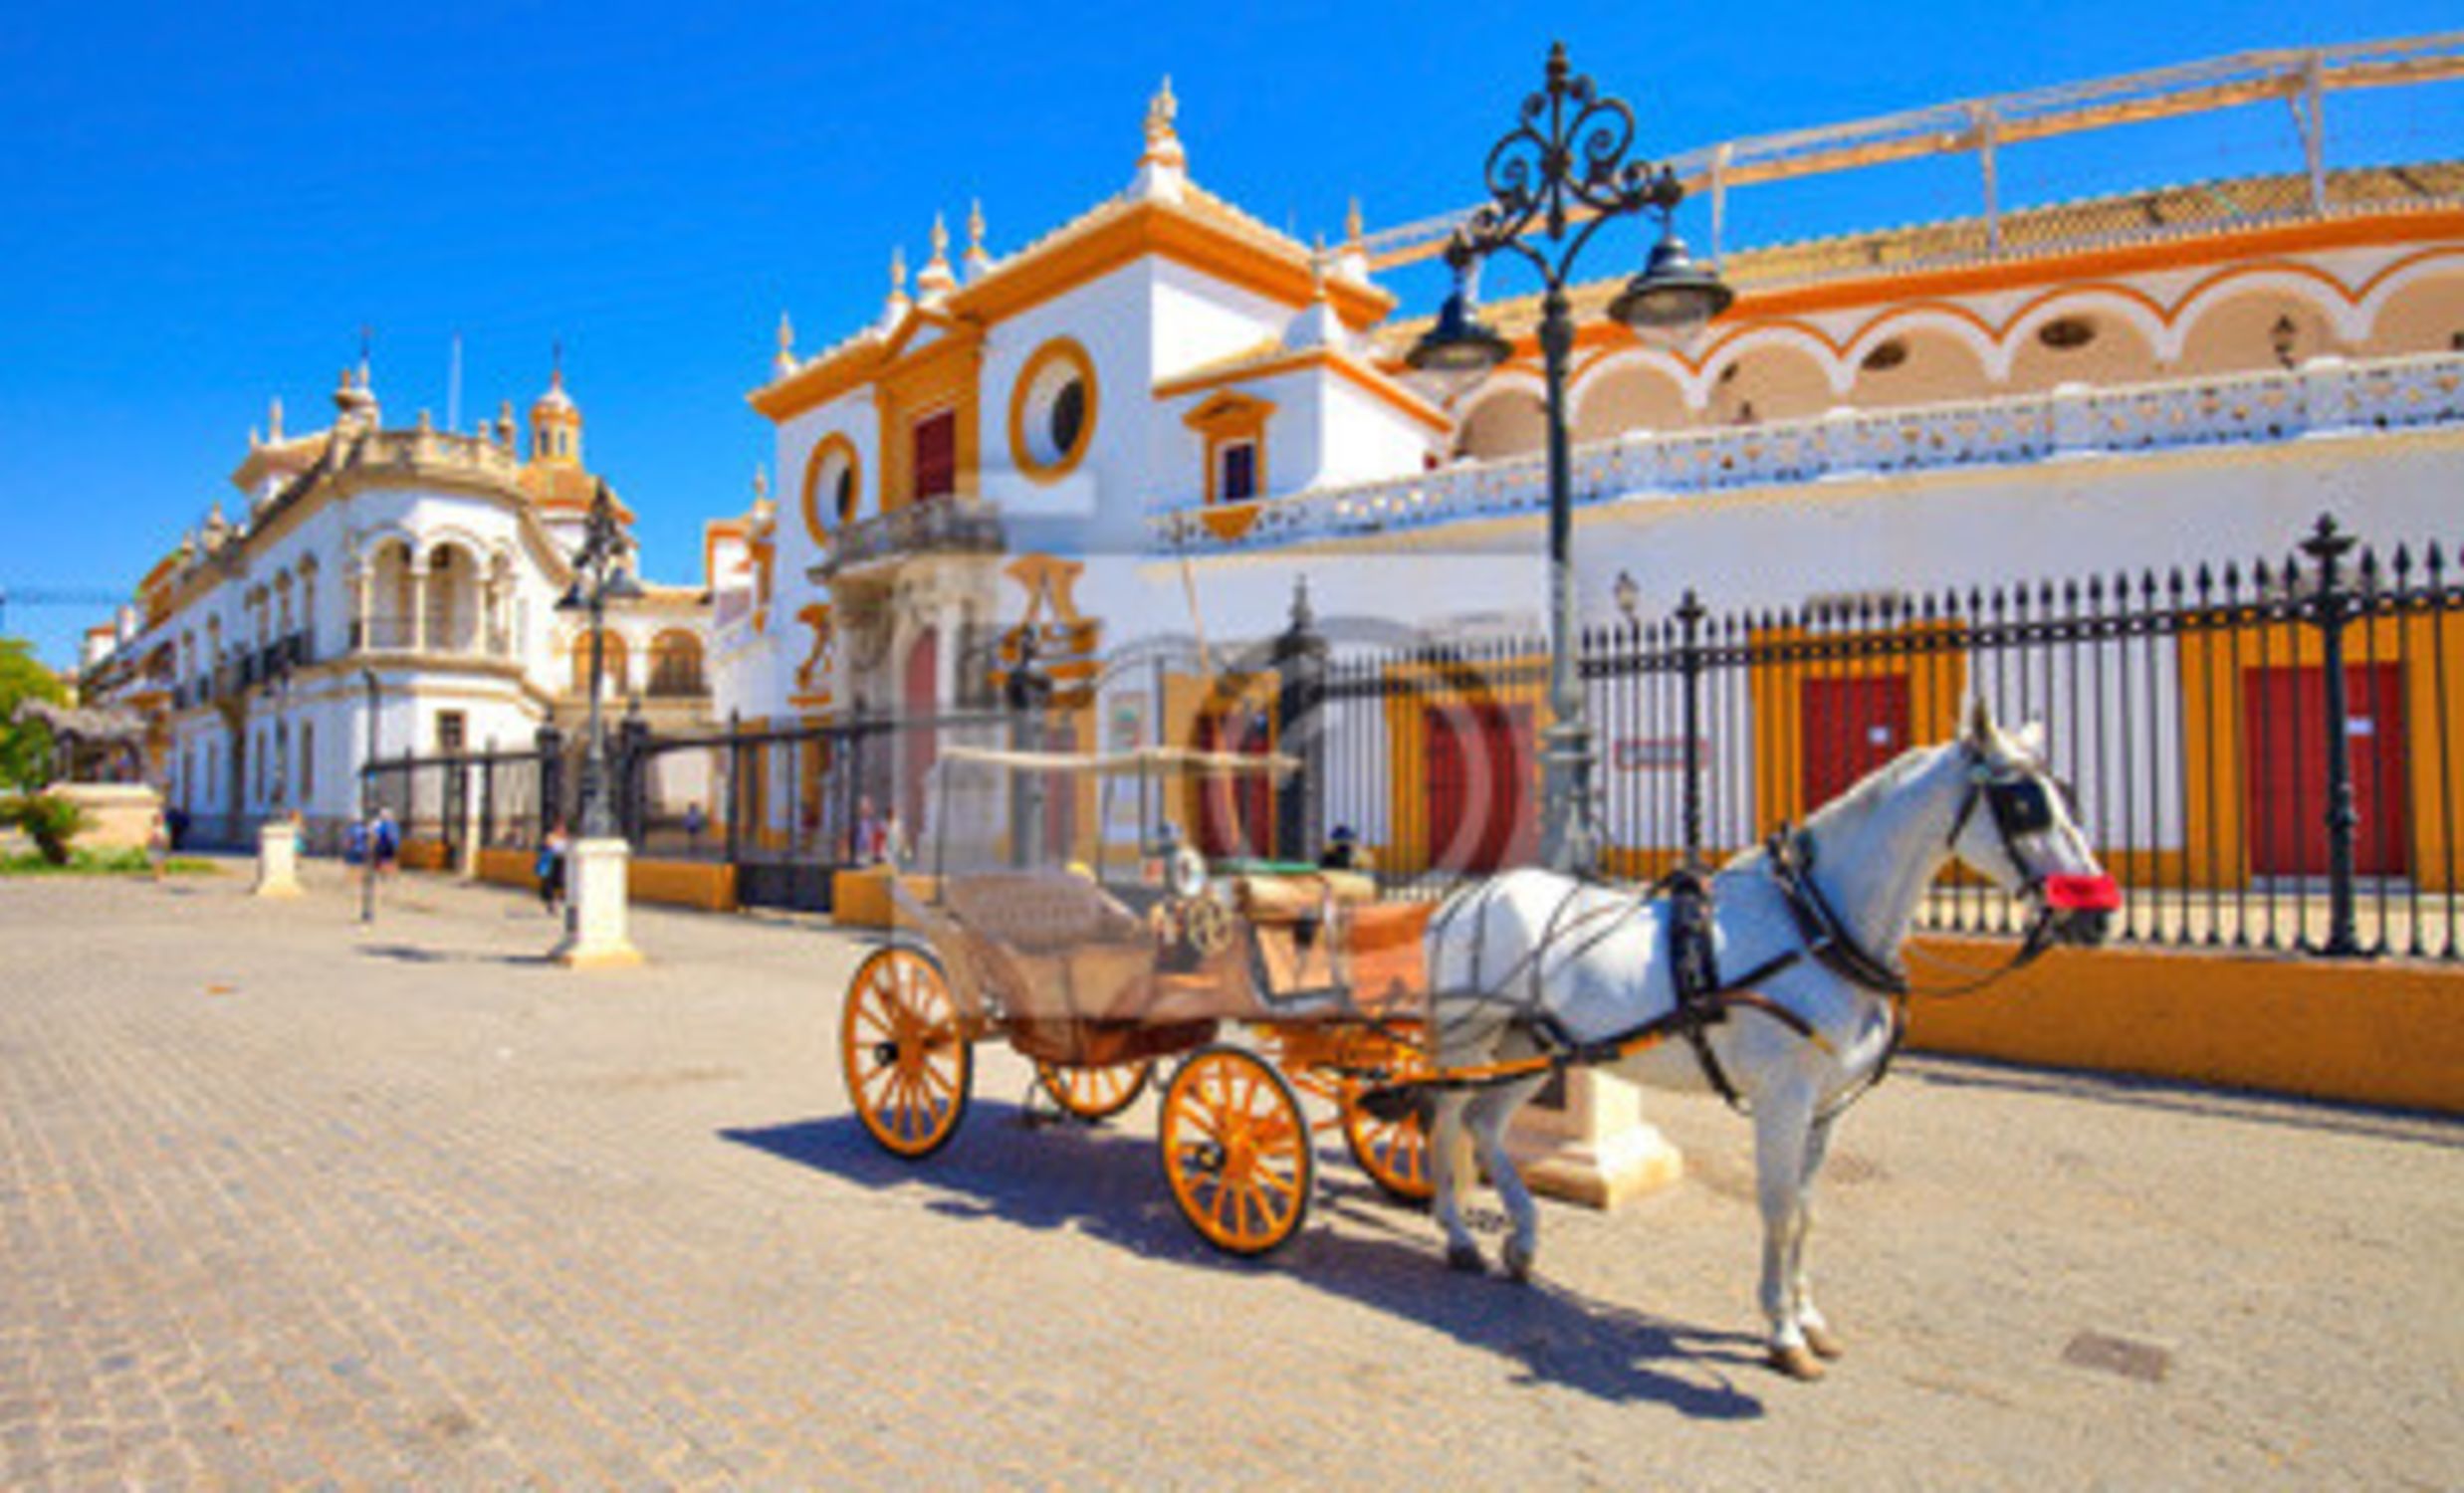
pixel 467 1221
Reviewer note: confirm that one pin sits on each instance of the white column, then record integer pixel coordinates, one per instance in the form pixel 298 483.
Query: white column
pixel 595 892
pixel 420 605
pixel 1597 1150
pixel 278 861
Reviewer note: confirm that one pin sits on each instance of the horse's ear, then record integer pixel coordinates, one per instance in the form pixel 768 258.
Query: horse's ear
pixel 2030 740
pixel 1980 731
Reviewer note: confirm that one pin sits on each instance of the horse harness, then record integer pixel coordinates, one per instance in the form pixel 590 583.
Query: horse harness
pixel 2020 804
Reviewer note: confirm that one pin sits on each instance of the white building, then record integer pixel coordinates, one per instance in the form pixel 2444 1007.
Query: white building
pixel 383 590
pixel 1158 417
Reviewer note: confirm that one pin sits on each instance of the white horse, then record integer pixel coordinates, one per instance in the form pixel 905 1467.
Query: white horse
pixel 1534 964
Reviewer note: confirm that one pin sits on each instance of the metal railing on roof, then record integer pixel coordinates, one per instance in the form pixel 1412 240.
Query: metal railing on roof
pixel 2301 76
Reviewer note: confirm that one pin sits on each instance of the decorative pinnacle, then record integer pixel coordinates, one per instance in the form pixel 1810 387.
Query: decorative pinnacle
pixel 784 360
pixel 975 227
pixel 1163 141
pixel 1352 227
pixel 940 240
pixel 898 272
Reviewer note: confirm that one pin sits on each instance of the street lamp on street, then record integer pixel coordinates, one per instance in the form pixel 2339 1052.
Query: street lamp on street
pixel 601 573
pixel 1553 181
pixel 595 863
pixel 367 808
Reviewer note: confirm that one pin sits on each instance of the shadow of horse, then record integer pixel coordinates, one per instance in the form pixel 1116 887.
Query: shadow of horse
pixel 1110 1186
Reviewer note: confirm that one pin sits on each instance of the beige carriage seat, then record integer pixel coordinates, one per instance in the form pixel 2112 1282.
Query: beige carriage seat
pixel 1060 947
pixel 1298 920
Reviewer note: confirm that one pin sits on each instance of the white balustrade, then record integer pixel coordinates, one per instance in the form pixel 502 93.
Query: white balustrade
pixel 2325 397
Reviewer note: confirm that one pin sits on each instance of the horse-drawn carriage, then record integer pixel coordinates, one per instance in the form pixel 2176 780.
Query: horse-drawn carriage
pixel 1286 992
pixel 1786 997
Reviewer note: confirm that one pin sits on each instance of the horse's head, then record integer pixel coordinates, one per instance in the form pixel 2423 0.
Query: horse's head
pixel 2015 825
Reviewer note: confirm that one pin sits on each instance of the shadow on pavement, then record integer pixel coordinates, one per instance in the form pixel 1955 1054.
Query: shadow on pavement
pixel 2175 1097
pixel 1109 1186
pixel 412 954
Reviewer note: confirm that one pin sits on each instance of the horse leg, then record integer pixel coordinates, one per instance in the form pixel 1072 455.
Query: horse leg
pixel 1488 1114
pixel 1783 1123
pixel 1818 1334
pixel 1449 1168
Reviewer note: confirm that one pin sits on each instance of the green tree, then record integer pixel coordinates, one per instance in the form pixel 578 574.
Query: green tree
pixel 25 746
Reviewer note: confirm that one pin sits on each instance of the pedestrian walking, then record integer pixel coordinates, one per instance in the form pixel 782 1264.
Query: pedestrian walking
pixel 385 844
pixel 549 867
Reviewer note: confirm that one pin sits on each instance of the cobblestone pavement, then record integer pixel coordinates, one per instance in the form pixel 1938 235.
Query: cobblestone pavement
pixel 289 1204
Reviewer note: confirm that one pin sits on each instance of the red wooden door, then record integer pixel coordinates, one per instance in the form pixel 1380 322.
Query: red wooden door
pixel 1852 726
pixel 1235 815
pixel 2285 780
pixel 935 455
pixel 1479 786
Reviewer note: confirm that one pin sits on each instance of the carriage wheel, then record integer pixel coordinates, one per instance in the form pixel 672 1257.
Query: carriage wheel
pixel 907 1061
pixel 1236 1150
pixel 1395 1153
pixel 1093 1094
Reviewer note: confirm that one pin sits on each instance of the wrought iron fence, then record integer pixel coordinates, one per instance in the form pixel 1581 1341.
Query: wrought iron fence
pixel 2262 751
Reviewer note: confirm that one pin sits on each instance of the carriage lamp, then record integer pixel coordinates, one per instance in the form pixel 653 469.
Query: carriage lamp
pixel 1553 181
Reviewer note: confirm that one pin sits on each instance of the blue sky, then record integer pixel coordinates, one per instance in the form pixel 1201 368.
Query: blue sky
pixel 204 203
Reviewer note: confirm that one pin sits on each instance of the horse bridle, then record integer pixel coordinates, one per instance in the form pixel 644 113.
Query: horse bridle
pixel 2020 802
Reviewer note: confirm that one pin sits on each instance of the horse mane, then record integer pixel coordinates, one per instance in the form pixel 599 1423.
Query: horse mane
pixel 1854 805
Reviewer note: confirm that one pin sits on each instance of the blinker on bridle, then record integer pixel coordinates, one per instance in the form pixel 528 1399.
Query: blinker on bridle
pixel 2022 804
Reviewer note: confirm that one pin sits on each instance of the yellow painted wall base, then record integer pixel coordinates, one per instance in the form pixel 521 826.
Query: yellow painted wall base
pixel 709 886
pixel 424 855
pixel 861 899
pixel 705 886
pixel 2390 1034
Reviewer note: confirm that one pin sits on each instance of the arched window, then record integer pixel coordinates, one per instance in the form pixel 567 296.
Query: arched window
pixel 611 663
pixel 675 664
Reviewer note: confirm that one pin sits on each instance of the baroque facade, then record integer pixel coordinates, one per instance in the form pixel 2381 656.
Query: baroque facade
pixel 388 591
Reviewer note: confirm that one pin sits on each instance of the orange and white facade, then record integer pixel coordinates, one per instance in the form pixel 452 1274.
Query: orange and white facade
pixel 1156 420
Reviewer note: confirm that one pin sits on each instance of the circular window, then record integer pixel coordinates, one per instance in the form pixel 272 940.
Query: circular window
pixel 833 487
pixel 1052 410
pixel 1886 356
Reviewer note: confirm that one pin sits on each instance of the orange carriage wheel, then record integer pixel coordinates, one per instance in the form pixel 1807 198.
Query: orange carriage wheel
pixel 1094 1094
pixel 905 1056
pixel 1395 1153
pixel 1236 1150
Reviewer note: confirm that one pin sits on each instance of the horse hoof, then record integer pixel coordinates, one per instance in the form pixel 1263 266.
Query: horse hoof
pixel 1465 1259
pixel 1825 1343
pixel 1518 1261
pixel 1797 1362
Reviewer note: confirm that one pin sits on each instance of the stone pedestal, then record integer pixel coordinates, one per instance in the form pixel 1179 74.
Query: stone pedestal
pixel 118 816
pixel 595 894
pixel 278 861
pixel 1591 1145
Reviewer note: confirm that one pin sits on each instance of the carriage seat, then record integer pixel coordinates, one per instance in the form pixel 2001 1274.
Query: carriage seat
pixel 1057 945
pixel 1299 897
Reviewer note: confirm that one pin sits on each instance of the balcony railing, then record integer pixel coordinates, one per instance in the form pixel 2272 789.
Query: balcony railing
pixel 936 525
pixel 398 635
pixel 2319 400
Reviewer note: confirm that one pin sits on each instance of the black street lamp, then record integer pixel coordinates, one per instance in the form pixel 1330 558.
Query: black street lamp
pixel 1556 177
pixel 600 576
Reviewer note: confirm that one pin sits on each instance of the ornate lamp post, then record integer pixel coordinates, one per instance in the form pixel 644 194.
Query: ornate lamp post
pixel 600 576
pixel 595 862
pixel 1559 175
